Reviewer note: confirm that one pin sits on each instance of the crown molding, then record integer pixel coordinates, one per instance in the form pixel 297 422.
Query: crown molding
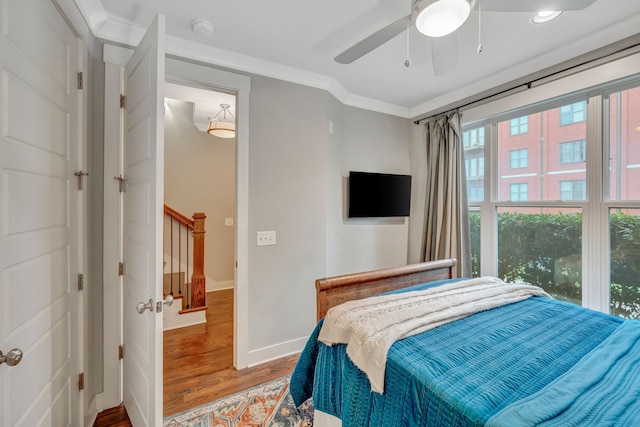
pixel 123 33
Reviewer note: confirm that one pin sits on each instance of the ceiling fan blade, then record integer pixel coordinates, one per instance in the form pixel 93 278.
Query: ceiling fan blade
pixel 445 53
pixel 376 39
pixel 533 5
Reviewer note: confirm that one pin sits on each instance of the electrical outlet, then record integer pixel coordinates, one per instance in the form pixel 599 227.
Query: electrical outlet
pixel 266 238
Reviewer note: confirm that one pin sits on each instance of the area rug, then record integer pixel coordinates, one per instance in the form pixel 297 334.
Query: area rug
pixel 268 404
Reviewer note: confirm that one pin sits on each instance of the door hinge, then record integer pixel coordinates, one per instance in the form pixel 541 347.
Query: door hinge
pixel 121 182
pixel 80 281
pixel 120 352
pixel 81 382
pixel 122 100
pixel 80 82
pixel 121 269
pixel 80 174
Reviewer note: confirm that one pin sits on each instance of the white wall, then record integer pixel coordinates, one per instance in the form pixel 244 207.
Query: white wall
pixel 200 177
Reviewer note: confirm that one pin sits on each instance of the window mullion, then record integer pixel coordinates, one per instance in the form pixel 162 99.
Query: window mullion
pixel 595 252
pixel 489 220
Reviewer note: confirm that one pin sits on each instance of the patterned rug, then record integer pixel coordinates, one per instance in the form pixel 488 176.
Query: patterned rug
pixel 268 404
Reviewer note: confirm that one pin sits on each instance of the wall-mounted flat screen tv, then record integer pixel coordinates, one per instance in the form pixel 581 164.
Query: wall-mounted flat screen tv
pixel 378 195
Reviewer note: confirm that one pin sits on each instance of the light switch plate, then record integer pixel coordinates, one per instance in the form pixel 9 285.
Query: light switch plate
pixel 228 222
pixel 266 238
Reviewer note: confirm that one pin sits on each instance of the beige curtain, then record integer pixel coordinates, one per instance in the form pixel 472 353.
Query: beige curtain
pixel 446 229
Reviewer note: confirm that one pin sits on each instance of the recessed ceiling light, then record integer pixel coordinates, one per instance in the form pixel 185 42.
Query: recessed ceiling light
pixel 545 16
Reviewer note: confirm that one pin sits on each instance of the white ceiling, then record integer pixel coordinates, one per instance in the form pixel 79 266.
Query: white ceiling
pixel 297 40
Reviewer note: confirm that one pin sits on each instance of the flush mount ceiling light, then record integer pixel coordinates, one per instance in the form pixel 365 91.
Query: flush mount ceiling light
pixel 225 127
pixel 437 18
pixel 545 16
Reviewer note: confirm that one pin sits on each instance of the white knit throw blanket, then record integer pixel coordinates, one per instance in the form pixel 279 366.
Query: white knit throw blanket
pixel 370 326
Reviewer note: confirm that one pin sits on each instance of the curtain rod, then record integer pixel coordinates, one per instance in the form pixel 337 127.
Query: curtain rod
pixel 530 83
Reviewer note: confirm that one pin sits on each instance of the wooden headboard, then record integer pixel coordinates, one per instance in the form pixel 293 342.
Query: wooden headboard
pixel 332 291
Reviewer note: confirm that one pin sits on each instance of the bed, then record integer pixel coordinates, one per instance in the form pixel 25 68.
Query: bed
pixel 537 361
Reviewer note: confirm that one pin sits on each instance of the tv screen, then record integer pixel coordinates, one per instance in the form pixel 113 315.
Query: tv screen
pixel 378 195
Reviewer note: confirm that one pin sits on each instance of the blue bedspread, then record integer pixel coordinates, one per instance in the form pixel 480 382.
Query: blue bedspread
pixel 475 369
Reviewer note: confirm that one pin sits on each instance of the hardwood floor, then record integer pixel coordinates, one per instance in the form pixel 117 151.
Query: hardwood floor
pixel 198 363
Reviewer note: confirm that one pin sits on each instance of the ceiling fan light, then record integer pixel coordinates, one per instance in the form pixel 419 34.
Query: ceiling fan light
pixel 442 17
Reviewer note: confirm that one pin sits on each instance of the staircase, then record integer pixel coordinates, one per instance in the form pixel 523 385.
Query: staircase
pixel 184 277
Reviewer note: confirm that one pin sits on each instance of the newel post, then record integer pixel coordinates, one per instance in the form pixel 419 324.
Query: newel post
pixel 198 280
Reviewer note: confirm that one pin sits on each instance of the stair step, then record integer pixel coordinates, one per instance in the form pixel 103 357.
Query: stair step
pixel 192 310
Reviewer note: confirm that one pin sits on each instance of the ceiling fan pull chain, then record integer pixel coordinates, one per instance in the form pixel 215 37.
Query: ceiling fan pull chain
pixel 407 62
pixel 479 48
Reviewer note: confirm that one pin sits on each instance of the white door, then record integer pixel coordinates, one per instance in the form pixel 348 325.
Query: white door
pixel 143 210
pixel 39 216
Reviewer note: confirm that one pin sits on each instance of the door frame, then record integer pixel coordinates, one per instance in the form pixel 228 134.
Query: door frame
pixel 179 72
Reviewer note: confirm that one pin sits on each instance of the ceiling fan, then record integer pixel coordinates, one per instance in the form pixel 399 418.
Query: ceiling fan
pixel 439 19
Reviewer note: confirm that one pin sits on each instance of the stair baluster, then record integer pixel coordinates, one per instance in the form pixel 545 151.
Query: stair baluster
pixel 195 290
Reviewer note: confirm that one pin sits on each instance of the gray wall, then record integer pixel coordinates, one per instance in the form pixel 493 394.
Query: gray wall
pixel 287 194
pixel 303 143
pixel 418 151
pixel 370 142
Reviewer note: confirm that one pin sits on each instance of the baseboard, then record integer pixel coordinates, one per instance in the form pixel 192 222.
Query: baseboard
pixel 212 285
pixel 277 351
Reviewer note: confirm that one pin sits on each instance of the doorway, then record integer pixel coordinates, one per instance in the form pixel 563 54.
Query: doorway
pixel 199 176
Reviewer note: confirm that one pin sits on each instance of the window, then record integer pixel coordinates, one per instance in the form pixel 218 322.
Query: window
pixel 474 167
pixel 473 138
pixel 530 249
pixel 475 192
pixel 519 158
pixel 624 232
pixel 540 238
pixel 624 145
pixel 519 125
pixel 573 113
pixel 573 190
pixel 538 158
pixel 573 152
pixel 518 192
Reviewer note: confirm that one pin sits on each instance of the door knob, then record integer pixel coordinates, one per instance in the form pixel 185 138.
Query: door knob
pixel 12 358
pixel 142 307
pixel 167 301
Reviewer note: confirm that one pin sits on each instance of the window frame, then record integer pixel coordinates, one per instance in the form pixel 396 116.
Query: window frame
pixel 593 296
